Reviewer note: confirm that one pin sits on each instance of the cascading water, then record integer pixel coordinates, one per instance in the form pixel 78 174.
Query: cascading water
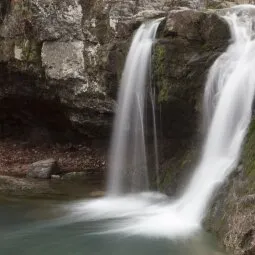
pixel 228 100
pixel 128 149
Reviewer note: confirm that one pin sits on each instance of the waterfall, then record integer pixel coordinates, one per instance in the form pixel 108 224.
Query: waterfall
pixel 128 162
pixel 228 100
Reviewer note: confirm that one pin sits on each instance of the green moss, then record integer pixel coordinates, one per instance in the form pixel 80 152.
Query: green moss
pixel 181 162
pixel 159 71
pixel 30 50
pixel 167 179
pixel 163 95
pixel 249 156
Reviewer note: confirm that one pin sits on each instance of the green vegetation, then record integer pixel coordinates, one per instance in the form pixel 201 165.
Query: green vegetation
pixel 249 156
pixel 181 162
pixel 159 73
pixel 30 50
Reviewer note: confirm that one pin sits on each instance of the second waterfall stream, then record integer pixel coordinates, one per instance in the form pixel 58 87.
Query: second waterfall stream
pixel 228 100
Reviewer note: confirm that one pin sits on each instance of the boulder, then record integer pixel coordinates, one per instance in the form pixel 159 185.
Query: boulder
pixel 43 169
pixel 198 26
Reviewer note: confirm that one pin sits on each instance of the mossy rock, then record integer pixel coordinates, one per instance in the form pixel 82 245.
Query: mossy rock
pixel 28 50
pixel 159 59
pixel 232 213
pixel 248 157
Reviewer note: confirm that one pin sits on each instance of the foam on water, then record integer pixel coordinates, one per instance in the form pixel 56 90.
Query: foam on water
pixel 147 214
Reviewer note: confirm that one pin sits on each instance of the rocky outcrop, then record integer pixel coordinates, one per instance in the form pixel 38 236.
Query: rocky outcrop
pixel 67 55
pixel 232 215
pixel 188 44
pixel 43 60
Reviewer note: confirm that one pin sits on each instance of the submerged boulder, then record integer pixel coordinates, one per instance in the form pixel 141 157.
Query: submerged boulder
pixel 198 26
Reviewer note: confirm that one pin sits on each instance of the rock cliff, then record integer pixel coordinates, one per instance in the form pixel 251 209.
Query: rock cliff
pixel 67 56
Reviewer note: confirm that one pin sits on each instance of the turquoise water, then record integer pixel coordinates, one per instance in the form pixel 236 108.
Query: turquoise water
pixel 43 227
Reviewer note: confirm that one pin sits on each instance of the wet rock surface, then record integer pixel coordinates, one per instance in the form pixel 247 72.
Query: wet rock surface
pixel 182 56
pixel 232 214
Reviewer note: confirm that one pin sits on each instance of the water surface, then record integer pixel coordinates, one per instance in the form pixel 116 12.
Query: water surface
pixel 39 227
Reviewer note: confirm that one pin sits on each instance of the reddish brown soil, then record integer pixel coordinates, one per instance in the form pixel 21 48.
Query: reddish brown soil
pixel 15 157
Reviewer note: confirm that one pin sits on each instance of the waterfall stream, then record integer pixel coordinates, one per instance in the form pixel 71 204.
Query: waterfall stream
pixel 228 101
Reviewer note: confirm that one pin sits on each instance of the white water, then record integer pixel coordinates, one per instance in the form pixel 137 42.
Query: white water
pixel 228 103
pixel 128 163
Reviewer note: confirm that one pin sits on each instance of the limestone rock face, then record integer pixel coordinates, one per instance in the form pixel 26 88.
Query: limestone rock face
pixel 196 25
pixel 69 54
pixel 63 60
pixel 57 20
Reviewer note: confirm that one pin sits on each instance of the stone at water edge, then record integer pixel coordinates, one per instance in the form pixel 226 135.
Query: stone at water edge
pixel 43 169
pixel 55 177
pixel 75 176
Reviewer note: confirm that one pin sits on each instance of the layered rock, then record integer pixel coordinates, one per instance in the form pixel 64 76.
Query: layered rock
pixel 43 59
pixel 68 55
